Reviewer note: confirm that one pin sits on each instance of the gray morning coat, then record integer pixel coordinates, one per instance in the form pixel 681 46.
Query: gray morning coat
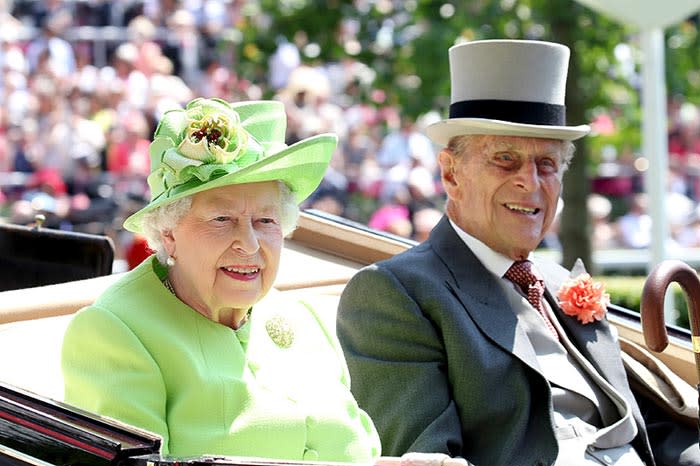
pixel 438 360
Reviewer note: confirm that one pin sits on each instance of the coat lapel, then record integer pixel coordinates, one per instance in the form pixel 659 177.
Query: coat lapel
pixel 595 340
pixel 482 297
pixel 481 294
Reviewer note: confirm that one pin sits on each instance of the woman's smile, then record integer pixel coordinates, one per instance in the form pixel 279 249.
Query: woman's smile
pixel 242 273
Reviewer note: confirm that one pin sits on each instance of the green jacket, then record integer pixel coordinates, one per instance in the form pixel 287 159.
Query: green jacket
pixel 278 387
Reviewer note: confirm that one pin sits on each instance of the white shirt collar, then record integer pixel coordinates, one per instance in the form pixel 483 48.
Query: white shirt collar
pixel 495 262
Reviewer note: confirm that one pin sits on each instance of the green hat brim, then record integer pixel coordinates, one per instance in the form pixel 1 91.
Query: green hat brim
pixel 300 166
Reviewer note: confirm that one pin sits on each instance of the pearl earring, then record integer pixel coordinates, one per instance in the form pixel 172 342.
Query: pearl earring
pixel 170 261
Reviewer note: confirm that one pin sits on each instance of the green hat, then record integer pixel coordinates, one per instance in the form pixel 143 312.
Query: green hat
pixel 212 143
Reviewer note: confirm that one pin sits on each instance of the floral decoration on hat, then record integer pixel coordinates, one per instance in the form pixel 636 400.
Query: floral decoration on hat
pixel 197 141
pixel 581 297
pixel 212 143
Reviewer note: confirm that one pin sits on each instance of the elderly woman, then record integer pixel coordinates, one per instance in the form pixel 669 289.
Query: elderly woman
pixel 194 344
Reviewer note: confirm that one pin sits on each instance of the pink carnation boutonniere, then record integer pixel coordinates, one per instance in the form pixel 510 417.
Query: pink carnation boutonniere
pixel 581 297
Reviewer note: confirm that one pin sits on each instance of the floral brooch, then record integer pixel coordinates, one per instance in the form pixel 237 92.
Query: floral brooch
pixel 581 297
pixel 280 331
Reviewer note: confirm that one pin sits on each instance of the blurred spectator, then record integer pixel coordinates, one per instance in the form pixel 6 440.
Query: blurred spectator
pixel 92 203
pixel 679 210
pixel 305 88
pixel 635 226
pixel 371 178
pixel 357 147
pixel 394 215
pixel 282 63
pixel 128 78
pixel 551 238
pixel 49 47
pixel 329 201
pixel 421 186
pixel 219 81
pixel 17 96
pixel 127 154
pixel 404 143
pixel 615 173
pixel 688 235
pixel 183 46
pixel 424 220
pixel 684 138
pixel 45 194
pixel 603 234
pixel 142 33
pixel 12 57
pixel 392 218
pixel 158 11
pixel 403 151
pixel 215 18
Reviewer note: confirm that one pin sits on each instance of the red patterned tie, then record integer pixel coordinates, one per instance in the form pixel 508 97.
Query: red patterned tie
pixel 523 274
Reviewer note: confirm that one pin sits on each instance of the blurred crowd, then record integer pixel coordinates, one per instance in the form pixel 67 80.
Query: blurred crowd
pixel 619 206
pixel 84 83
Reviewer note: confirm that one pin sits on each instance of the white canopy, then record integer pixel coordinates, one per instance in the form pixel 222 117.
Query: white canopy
pixel 646 14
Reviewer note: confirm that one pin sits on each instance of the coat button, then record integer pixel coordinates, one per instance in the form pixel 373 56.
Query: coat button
pixel 310 455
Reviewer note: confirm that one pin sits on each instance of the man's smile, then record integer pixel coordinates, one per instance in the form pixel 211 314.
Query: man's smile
pixel 522 209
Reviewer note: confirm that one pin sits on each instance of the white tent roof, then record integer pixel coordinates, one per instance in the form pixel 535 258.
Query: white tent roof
pixel 645 13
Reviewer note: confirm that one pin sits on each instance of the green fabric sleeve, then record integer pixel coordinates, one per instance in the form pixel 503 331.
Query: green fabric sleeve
pixel 110 372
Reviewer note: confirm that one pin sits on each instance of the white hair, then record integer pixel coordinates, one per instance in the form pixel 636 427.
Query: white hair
pixel 166 217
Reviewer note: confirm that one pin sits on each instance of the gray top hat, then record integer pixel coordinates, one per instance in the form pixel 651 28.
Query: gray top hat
pixel 508 88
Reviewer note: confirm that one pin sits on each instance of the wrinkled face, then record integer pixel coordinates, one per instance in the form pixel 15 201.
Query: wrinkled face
pixel 227 249
pixel 504 190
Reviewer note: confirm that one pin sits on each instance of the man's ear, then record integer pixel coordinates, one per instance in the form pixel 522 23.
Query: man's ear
pixel 447 163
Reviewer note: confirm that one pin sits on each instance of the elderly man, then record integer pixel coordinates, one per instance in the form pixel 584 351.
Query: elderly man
pixel 461 345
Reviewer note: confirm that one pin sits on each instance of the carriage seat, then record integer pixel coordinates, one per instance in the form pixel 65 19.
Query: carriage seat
pixel 33 320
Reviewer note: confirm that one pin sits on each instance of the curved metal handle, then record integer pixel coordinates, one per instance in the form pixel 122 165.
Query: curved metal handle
pixel 652 304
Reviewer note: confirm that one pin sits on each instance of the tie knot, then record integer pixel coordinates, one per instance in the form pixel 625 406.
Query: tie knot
pixel 524 274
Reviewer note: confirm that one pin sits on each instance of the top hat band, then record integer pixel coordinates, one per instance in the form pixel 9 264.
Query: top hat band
pixel 515 111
